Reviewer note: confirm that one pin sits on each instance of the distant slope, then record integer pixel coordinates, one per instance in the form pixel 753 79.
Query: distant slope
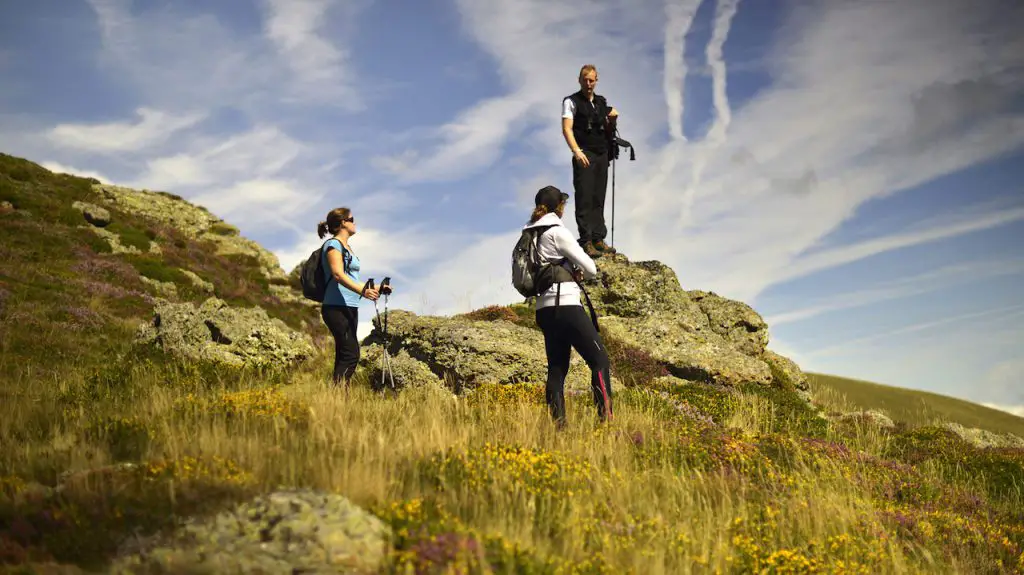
pixel 915 407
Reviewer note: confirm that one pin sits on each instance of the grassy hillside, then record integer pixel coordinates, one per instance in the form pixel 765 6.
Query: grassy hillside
pixel 68 303
pixel 913 406
pixel 102 443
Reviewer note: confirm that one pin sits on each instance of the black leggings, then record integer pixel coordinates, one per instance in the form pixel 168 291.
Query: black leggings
pixel 571 328
pixel 342 320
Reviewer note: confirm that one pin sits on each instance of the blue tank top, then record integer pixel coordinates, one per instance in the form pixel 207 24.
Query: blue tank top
pixel 337 294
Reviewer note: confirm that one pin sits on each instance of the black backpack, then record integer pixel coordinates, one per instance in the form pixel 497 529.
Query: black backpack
pixel 313 277
pixel 530 275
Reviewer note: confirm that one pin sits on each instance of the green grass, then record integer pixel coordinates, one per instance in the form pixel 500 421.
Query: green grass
pixel 916 407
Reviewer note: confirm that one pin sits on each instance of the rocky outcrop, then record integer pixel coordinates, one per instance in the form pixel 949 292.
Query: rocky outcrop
pixel 193 221
pixel 215 331
pixel 298 531
pixel 95 215
pixel 697 335
pixel 982 438
pixel 463 351
pixel 405 370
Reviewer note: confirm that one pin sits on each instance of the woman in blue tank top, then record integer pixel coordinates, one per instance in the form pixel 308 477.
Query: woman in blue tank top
pixel 340 307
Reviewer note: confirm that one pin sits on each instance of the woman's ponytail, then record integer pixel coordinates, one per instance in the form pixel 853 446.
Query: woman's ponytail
pixel 321 229
pixel 538 213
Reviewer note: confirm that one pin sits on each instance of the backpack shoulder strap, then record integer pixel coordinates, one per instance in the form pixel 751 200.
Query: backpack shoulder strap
pixel 346 257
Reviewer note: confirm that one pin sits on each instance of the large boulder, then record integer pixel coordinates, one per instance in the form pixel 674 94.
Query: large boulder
pixel 405 370
pixel 463 351
pixel 698 335
pixel 298 531
pixel 221 333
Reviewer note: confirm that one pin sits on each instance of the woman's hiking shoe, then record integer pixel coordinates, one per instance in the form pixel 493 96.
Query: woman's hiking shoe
pixel 603 247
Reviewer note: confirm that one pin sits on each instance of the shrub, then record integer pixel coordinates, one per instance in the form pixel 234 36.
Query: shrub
pixel 492 313
pixel 223 229
pixel 792 414
pixel 131 236
pixel 632 365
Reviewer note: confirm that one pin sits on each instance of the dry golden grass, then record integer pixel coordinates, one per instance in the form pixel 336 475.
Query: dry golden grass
pixel 650 493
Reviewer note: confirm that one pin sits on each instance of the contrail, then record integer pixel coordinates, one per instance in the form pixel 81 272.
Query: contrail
pixel 679 16
pixel 725 10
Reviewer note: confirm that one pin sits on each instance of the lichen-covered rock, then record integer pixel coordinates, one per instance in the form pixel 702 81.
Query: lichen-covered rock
pixel 95 215
pixel 983 438
pixel 787 370
pixel 638 289
pixel 870 416
pixel 165 290
pixel 698 356
pixel 6 208
pixel 735 321
pixel 698 335
pixel 463 351
pixel 297 531
pixel 193 221
pixel 217 332
pixel 113 240
pixel 405 371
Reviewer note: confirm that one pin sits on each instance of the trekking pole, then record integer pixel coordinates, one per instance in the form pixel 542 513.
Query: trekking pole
pixel 613 203
pixel 385 359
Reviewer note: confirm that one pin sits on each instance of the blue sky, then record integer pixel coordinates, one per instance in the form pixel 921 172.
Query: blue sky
pixel 852 170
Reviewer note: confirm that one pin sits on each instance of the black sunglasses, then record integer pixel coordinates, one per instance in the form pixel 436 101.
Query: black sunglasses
pixel 350 219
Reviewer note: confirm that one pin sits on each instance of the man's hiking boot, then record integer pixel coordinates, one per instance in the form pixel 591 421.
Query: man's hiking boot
pixel 603 247
pixel 591 251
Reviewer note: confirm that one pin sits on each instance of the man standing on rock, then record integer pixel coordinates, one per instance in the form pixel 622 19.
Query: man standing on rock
pixel 584 117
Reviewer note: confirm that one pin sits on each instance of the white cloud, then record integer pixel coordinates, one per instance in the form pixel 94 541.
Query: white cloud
pixel 321 69
pixel 262 152
pixel 153 127
pixel 679 17
pixel 58 168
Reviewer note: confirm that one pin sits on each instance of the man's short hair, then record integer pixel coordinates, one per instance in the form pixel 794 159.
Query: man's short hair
pixel 587 68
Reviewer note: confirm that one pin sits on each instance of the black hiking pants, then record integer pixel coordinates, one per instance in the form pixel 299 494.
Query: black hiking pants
pixel 591 185
pixel 566 328
pixel 343 320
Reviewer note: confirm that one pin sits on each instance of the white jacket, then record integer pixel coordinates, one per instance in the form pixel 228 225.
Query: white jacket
pixel 557 243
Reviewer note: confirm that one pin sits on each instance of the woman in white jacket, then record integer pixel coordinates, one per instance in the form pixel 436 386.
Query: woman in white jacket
pixel 559 311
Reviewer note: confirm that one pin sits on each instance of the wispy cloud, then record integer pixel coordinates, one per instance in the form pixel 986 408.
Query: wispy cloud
pixel 845 347
pixel 678 19
pixel 725 10
pixel 933 280
pixel 153 127
pixel 321 70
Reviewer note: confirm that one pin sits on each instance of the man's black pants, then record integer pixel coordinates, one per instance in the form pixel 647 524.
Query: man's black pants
pixel 343 320
pixel 565 328
pixel 590 184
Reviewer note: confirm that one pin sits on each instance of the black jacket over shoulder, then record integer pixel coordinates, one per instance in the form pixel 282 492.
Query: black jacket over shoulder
pixel 588 123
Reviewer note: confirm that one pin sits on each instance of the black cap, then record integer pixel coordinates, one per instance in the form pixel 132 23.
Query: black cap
pixel 550 196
